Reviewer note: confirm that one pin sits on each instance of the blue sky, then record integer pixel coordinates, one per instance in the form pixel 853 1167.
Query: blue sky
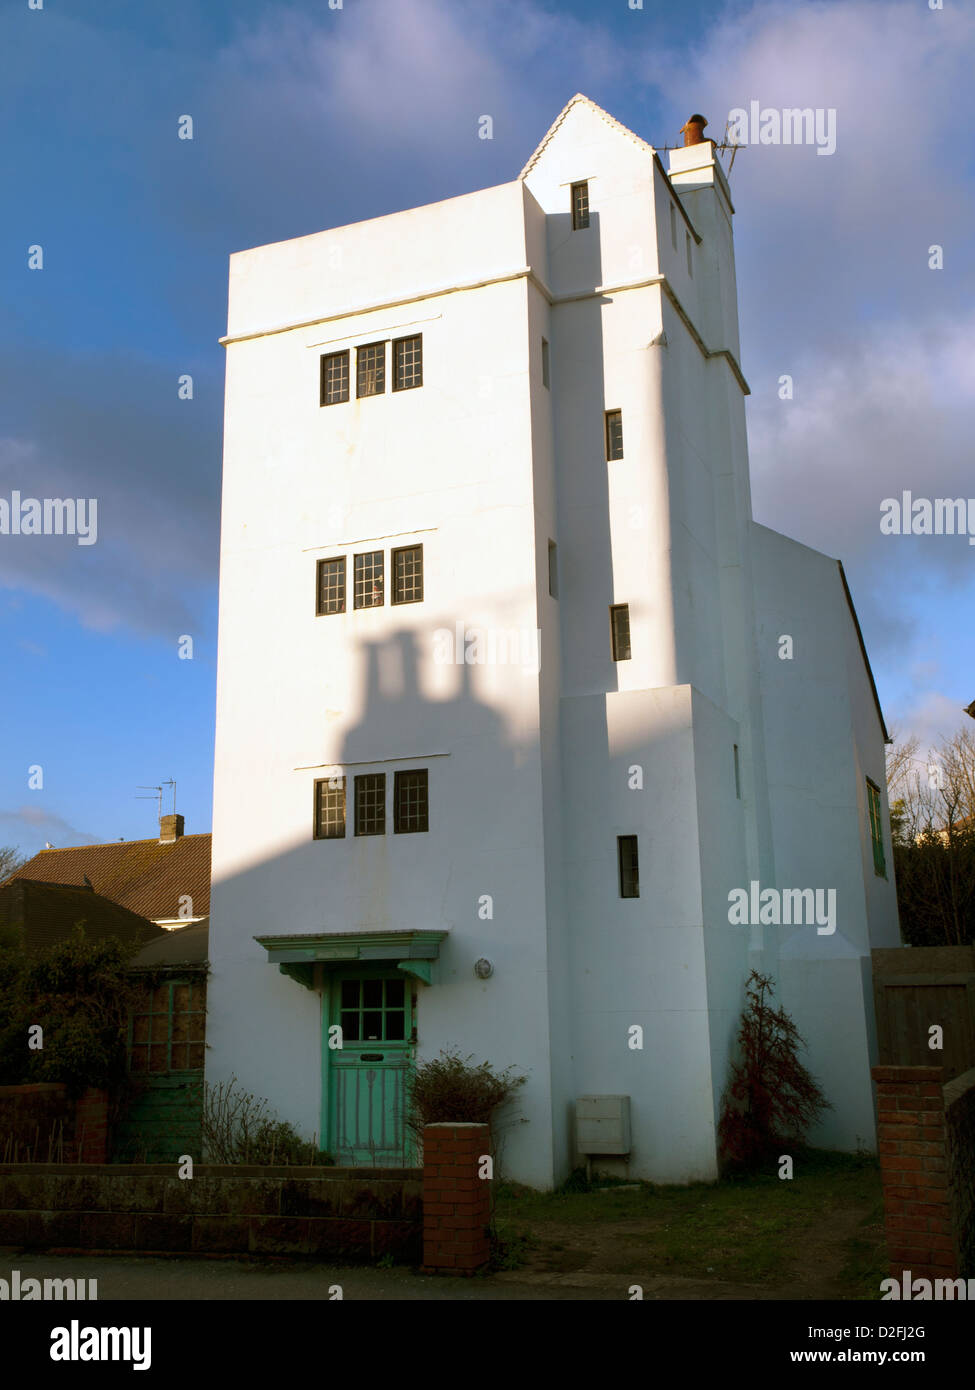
pixel 307 117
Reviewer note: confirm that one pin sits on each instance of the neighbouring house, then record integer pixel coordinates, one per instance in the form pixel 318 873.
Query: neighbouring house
pixel 167 1029
pixel 516 702
pixel 166 880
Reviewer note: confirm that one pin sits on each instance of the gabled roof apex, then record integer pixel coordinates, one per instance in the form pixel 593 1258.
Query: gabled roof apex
pixel 603 115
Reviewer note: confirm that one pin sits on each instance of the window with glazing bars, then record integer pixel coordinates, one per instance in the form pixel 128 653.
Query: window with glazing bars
pixel 411 802
pixel 407 362
pixel 370 368
pixel 373 1010
pixel 370 804
pixel 619 622
pixel 614 434
pixel 629 866
pixel 335 377
pixel 167 1027
pixel 330 808
pixel 408 574
pixel 368 580
pixel 876 829
pixel 331 586
pixel 580 206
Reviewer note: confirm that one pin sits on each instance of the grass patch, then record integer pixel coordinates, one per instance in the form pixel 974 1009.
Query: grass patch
pixel 748 1228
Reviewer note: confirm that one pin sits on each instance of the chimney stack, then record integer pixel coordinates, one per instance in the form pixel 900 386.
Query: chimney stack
pixel 170 829
pixel 693 130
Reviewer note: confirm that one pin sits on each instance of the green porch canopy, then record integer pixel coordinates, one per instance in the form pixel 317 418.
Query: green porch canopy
pixel 296 956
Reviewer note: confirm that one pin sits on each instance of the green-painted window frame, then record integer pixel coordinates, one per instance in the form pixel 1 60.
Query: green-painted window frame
pixel 164 1036
pixel 876 829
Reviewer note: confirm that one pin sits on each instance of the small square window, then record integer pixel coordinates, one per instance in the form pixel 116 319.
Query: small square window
pixel 330 808
pixel 370 804
pixel 687 247
pixel 580 206
pixel 545 363
pixel 370 366
pixel 619 621
pixel 614 434
pixel 408 574
pixel 629 863
pixel 408 363
pixel 410 797
pixel 673 226
pixel 335 378
pixel 331 586
pixel 553 569
pixel 368 580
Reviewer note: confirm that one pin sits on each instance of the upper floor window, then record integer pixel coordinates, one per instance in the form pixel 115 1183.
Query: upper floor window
pixel 370 364
pixel 553 569
pixel 876 829
pixel 629 866
pixel 619 621
pixel 580 206
pixel 407 363
pixel 330 808
pixel 331 586
pixel 411 802
pixel 370 804
pixel 687 246
pixel 368 579
pixel 614 434
pixel 408 574
pixel 335 377
pixel 546 375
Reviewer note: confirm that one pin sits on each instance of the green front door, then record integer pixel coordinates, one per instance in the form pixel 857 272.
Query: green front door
pixel 366 1078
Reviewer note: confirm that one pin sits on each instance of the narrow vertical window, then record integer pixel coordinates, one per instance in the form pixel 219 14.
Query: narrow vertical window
pixel 737 774
pixel 408 363
pixel 330 809
pixel 580 206
pixel 407 566
pixel 619 621
pixel 411 802
pixel 876 829
pixel 331 586
pixel 629 864
pixel 673 226
pixel 687 247
pixel 368 580
pixel 370 367
pixel 553 569
pixel 335 378
pixel 545 364
pixel 614 434
pixel 370 804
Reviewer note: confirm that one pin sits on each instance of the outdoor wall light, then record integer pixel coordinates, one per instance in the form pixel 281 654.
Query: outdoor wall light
pixel 483 969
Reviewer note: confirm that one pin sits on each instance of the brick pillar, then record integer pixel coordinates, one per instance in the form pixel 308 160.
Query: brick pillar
pixel 913 1168
pixel 456 1202
pixel 91 1126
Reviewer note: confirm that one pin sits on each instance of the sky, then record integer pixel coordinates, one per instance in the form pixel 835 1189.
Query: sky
pixel 318 113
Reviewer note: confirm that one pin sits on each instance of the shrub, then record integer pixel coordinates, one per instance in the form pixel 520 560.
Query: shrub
pixel 449 1088
pixel 771 1099
pixel 80 993
pixel 240 1128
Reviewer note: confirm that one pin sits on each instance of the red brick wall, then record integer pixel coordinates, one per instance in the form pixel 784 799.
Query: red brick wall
pixel 91 1126
pixel 913 1163
pixel 456 1202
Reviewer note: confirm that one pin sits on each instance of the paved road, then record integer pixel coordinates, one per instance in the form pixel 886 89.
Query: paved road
pixel 123 1277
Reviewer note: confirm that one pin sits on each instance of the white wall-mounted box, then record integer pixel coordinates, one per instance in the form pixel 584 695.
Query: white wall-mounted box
pixel 603 1124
